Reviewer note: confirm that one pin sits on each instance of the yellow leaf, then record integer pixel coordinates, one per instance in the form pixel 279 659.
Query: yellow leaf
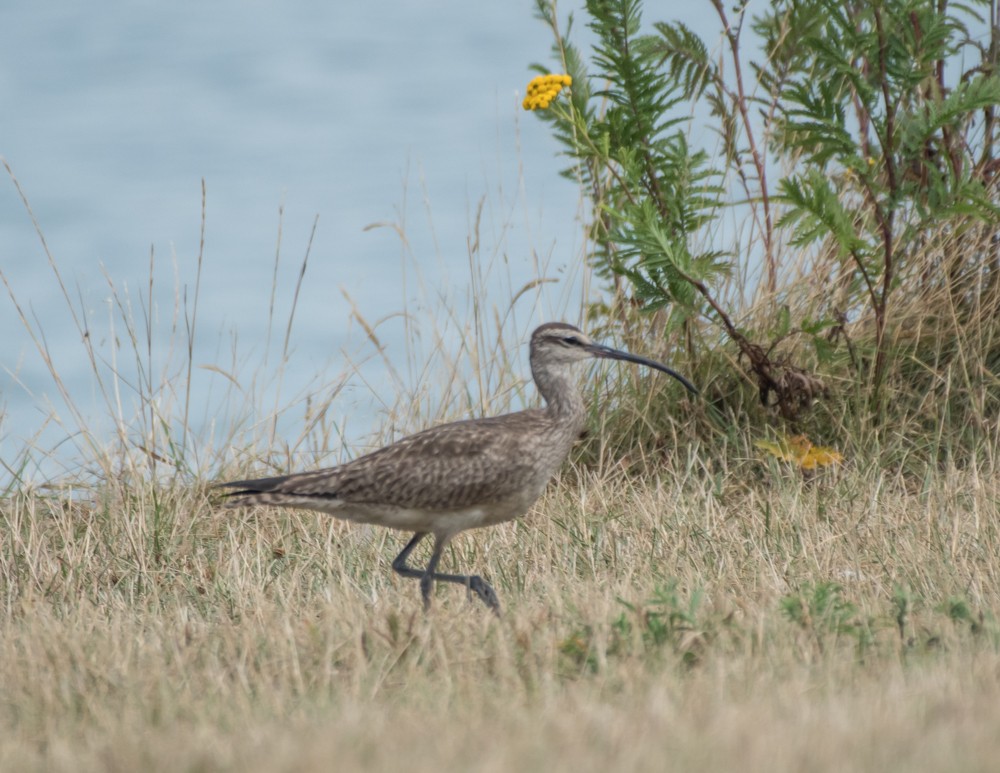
pixel 799 450
pixel 819 456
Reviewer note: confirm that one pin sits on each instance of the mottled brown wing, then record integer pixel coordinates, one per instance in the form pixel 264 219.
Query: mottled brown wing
pixel 450 466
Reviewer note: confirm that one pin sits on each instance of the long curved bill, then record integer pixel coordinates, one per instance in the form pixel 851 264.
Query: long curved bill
pixel 606 352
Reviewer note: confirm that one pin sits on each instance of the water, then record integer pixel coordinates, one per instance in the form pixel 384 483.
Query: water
pixel 112 115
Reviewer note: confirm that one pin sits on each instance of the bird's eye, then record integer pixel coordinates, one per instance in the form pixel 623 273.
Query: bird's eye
pixel 570 341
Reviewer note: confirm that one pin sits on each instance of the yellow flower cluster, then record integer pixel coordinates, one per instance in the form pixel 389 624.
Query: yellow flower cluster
pixel 543 89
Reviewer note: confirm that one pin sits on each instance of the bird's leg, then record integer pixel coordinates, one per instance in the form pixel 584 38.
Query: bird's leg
pixel 399 562
pixel 473 583
pixel 427 580
pixel 426 576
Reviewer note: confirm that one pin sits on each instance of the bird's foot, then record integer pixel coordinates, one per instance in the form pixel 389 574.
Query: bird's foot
pixel 485 591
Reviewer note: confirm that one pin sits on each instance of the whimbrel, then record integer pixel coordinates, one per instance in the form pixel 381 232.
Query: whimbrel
pixel 456 476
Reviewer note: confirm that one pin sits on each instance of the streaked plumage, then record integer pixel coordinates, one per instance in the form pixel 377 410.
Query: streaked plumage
pixel 456 476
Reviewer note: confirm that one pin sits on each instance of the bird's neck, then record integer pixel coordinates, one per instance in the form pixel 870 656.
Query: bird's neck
pixel 563 401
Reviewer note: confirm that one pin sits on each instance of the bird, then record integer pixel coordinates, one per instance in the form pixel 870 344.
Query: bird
pixel 461 475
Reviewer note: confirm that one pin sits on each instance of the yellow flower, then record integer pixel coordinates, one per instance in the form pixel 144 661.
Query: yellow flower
pixel 542 89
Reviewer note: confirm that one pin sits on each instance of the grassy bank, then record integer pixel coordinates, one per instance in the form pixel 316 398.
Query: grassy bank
pixel 712 617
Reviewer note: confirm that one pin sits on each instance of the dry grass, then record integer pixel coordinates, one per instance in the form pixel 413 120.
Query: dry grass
pixel 648 625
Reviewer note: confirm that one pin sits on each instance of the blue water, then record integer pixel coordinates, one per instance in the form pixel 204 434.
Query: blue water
pixel 112 115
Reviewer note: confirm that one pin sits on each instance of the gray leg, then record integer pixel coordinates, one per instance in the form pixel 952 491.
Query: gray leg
pixel 473 583
pixel 399 562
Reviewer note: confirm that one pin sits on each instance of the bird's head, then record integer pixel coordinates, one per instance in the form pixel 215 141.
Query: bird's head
pixel 560 344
